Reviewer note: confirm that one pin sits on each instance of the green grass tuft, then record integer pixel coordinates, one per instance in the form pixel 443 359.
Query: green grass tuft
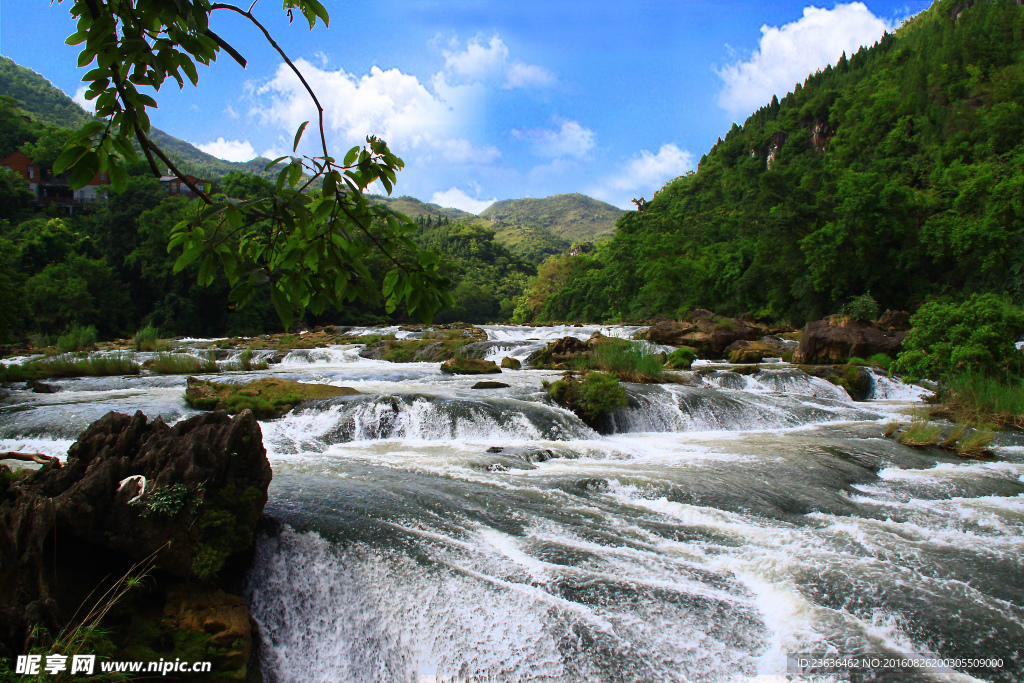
pixel 77 338
pixel 182 364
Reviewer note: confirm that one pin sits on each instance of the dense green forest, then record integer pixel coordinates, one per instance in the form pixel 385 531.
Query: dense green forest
pixel 106 264
pixel 898 172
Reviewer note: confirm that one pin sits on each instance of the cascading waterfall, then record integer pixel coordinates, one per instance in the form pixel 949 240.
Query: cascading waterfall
pixel 429 531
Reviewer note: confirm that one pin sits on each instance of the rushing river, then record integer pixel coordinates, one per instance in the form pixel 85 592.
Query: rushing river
pixel 433 532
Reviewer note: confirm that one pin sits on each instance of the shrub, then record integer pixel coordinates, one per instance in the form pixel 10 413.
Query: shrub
pixel 146 339
pixel 976 335
pixel 682 358
pixel 863 307
pixel 77 338
pixel 879 360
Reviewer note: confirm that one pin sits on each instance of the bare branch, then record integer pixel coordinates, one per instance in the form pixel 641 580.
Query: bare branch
pixel 30 457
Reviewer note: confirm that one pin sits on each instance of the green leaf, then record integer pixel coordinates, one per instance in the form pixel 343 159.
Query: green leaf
pixel 298 135
pixel 282 306
pixel 390 280
pixel 188 257
pixel 351 156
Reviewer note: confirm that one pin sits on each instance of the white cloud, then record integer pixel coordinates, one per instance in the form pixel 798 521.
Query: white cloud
pixel 644 174
pixel 478 62
pixel 88 105
pixel 521 75
pixel 788 54
pixel 571 139
pixel 390 104
pixel 457 199
pixel 229 150
pixel 230 112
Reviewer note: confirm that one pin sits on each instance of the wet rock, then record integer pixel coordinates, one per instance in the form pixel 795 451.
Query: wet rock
pixel 38 387
pixel 510 363
pixel 495 449
pixel 490 385
pixel 855 379
pixel 469 366
pixel 836 338
pixel 743 351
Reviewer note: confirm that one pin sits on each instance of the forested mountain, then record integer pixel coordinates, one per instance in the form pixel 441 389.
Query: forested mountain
pixel 46 103
pixel 571 217
pixel 898 172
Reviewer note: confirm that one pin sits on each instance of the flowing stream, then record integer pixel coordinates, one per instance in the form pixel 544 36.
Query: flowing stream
pixel 428 531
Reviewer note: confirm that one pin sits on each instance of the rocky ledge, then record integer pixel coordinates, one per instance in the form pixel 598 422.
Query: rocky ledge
pixel 179 504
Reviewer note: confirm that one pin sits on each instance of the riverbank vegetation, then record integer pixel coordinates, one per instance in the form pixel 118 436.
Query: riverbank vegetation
pixel 896 172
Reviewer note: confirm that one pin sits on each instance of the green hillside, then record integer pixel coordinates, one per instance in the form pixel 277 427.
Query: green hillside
pixel 570 217
pixel 899 173
pixel 48 104
pixel 414 208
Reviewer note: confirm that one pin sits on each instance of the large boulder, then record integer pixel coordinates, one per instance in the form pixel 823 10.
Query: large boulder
pixel 670 332
pixel 837 338
pixel 185 498
pixel 743 351
pixel 559 353
pixel 709 333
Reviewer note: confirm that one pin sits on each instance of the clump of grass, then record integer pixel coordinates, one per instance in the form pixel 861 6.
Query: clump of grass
pixel 921 433
pixel 629 361
pixel 182 364
pixel 891 428
pixel 976 444
pixel 954 436
pixel 682 358
pixel 77 338
pixel 976 398
pixel 246 363
pixel 69 366
pixel 595 396
pixel 146 339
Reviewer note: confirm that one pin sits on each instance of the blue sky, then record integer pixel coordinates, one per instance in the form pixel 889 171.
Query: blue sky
pixel 494 99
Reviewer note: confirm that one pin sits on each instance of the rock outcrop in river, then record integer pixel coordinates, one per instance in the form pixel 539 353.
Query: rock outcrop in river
pixel 182 501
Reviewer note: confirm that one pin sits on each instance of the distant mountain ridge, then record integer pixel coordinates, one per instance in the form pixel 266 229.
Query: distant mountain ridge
pixel 533 229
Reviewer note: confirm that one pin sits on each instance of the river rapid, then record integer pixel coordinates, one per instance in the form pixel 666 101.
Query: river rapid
pixel 428 531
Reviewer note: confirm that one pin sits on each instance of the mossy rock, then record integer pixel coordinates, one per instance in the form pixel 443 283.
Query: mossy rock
pixel 592 398
pixel 510 363
pixel 469 366
pixel 266 398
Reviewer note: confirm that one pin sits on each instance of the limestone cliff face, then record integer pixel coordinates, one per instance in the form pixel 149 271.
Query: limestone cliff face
pixel 774 147
pixel 821 133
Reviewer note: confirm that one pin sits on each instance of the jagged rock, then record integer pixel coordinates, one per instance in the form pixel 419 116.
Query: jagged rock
pixel 710 334
pixel 836 338
pixel 701 314
pixel 510 363
pixel 469 366
pixel 228 632
pixel 743 351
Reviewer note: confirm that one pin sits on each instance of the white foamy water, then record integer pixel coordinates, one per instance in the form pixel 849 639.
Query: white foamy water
pixel 432 531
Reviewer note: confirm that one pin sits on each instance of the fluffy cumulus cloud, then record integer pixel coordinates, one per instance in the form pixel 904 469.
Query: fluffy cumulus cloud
pixel 569 140
pixel 457 199
pixel 230 150
pixel 390 104
pixel 788 53
pixel 482 62
pixel 644 174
